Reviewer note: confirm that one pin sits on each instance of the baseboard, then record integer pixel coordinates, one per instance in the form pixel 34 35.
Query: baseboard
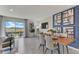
pixel 73 48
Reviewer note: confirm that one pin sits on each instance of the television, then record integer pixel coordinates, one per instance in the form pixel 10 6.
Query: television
pixel 44 25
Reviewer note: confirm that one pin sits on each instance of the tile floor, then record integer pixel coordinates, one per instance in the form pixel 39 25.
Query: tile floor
pixel 31 46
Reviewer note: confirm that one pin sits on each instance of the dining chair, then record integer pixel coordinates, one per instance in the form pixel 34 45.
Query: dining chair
pixel 50 44
pixel 66 36
pixel 42 41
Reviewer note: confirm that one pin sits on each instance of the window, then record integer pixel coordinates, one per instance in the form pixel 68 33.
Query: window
pixel 19 28
pixel 9 28
pixel 14 28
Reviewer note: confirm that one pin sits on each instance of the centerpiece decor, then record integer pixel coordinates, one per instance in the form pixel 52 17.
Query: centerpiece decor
pixel 52 31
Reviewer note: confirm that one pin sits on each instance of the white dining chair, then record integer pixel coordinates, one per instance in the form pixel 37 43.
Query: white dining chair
pixel 41 41
pixel 50 44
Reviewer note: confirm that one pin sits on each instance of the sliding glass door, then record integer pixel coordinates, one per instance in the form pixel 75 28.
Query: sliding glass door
pixel 9 28
pixel 14 28
pixel 19 29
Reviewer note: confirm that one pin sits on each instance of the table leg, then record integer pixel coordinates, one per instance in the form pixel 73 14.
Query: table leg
pixel 51 51
pixel 58 48
pixel 46 50
pixel 67 50
pixel 63 49
pixel 10 46
pixel 43 48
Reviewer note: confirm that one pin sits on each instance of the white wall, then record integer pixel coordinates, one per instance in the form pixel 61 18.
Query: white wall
pixel 37 24
pixel 1 26
pixel 48 19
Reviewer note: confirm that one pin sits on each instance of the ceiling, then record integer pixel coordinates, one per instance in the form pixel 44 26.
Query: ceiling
pixel 32 11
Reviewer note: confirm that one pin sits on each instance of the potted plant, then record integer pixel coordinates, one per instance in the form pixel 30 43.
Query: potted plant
pixel 52 31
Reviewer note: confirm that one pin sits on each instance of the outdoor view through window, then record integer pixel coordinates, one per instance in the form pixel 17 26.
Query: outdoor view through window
pixel 15 29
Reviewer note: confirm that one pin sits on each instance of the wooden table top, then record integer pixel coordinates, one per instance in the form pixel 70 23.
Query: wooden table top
pixel 64 41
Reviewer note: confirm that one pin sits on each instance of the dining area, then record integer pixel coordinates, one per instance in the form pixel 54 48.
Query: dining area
pixel 53 41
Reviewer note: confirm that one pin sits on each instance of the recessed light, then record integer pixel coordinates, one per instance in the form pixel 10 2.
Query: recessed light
pixel 11 10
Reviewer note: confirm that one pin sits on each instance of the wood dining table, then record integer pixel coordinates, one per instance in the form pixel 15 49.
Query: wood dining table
pixel 63 41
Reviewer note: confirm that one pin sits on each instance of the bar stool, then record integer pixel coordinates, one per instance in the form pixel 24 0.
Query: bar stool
pixel 50 44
